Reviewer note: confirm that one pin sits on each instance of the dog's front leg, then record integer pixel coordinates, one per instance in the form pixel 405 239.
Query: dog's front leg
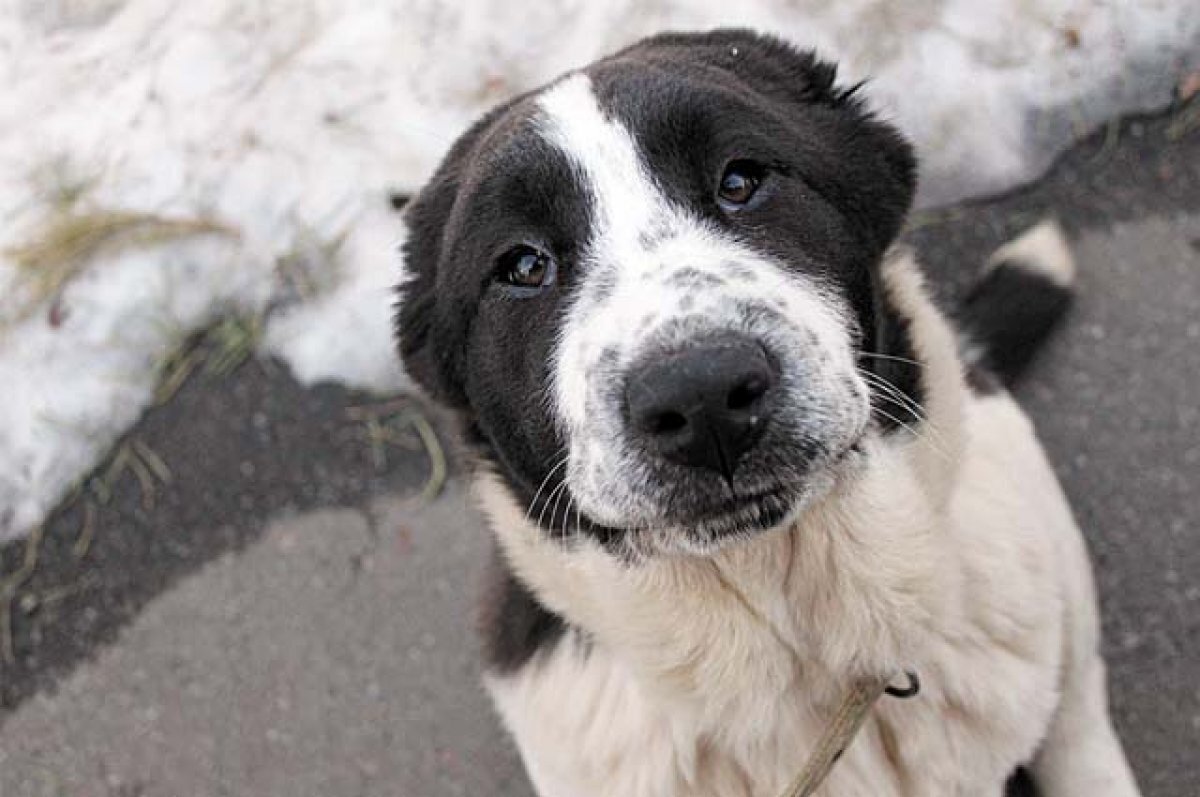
pixel 1082 757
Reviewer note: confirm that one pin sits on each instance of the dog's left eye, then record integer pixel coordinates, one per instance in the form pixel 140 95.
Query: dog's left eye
pixel 739 183
pixel 526 269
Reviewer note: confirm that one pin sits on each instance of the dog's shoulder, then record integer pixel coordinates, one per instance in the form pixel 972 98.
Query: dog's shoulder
pixel 514 625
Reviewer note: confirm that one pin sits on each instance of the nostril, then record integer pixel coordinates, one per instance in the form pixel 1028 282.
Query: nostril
pixel 703 406
pixel 665 422
pixel 746 393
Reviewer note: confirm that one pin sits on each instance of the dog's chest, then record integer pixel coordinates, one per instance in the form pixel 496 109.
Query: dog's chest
pixel 588 725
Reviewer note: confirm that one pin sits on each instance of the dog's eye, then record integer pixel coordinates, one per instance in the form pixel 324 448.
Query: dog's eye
pixel 526 268
pixel 739 183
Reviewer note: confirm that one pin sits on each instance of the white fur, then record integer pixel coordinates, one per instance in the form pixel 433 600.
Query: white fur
pixel 640 242
pixel 1043 249
pixel 952 553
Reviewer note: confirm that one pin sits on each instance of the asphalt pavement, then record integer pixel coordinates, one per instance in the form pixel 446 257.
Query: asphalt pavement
pixel 256 595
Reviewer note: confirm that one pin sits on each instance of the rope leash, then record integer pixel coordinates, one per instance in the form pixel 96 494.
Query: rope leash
pixel 840 732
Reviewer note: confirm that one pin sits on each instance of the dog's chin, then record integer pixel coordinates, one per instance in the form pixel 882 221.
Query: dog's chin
pixel 706 529
pixel 745 518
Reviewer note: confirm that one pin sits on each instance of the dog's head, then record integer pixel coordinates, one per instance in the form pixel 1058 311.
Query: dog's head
pixel 648 288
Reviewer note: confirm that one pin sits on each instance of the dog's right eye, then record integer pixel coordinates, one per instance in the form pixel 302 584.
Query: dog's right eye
pixel 526 269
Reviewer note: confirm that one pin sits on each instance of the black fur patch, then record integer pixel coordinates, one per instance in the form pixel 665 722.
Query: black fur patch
pixel 468 342
pixel 1009 313
pixel 398 199
pixel 1020 784
pixel 514 625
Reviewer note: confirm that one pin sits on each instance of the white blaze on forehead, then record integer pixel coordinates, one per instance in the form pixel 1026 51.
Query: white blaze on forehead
pixel 625 199
pixel 624 204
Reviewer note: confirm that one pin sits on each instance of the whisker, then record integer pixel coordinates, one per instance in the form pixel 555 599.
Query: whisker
pixel 566 534
pixel 898 396
pixel 885 396
pixel 895 393
pixel 545 481
pixel 906 401
pixel 558 488
pixel 563 490
pixel 542 486
pixel 893 357
pixel 937 449
pixel 556 532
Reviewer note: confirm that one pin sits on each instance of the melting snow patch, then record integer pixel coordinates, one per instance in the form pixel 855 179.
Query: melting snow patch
pixel 251 146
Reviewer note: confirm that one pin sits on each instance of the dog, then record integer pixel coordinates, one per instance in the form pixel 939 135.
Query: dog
pixel 734 456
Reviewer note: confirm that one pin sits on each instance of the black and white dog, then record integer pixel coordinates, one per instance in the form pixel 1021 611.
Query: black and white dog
pixel 734 456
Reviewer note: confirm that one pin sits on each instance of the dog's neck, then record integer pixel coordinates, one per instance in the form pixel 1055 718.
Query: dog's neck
pixel 847 590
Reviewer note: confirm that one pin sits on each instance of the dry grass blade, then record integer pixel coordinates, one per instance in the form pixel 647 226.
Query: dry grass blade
pixel 377 438
pixel 8 591
pixel 70 239
pixel 62 593
pixel 383 422
pixel 174 371
pixel 919 219
pixel 100 489
pixel 1185 122
pixel 145 481
pixel 87 531
pixel 103 487
pixel 311 267
pixel 231 343
pixel 78 236
pixel 146 466
pixel 221 349
pixel 153 461
pixel 437 456
pixel 1112 137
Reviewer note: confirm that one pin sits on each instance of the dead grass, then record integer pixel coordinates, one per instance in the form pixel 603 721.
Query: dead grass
pixel 388 423
pixel 231 342
pixel 9 586
pixel 133 457
pixel 87 531
pixel 71 238
pixel 919 219
pixel 1108 146
pixel 1185 122
pixel 136 458
pixel 311 267
pixel 219 350
pixel 40 601
pixel 175 369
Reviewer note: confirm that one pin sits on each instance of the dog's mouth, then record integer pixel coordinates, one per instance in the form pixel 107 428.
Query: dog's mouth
pixel 737 513
pixel 740 515
pixel 737 504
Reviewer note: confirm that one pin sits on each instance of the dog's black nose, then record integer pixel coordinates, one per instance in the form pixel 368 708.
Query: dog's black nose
pixel 705 406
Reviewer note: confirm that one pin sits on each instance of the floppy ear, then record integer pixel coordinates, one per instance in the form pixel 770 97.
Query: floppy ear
pixel 426 354
pixel 876 168
pixel 430 327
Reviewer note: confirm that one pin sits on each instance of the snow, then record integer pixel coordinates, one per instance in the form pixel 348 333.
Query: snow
pixel 288 122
